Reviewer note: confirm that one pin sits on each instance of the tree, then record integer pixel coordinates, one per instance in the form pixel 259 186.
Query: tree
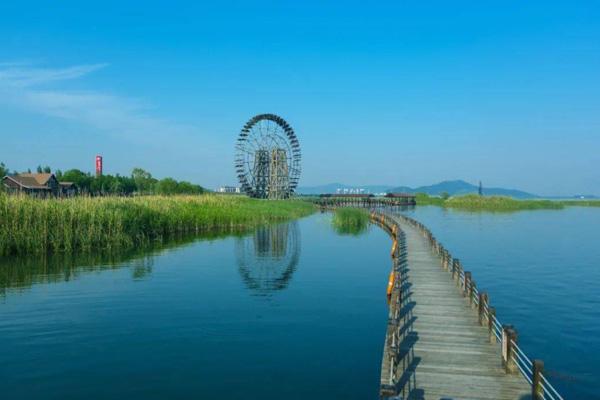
pixel 444 195
pixel 102 184
pixel 47 169
pixel 39 169
pixel 82 180
pixel 189 188
pixel 117 187
pixel 143 180
pixel 166 186
pixel 126 184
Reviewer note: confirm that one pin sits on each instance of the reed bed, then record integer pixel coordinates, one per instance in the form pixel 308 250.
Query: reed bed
pixel 499 203
pixel 350 221
pixel 32 226
pixel 581 203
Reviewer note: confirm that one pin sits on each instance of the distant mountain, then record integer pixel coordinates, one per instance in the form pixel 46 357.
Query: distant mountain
pixel 453 188
pixel 459 187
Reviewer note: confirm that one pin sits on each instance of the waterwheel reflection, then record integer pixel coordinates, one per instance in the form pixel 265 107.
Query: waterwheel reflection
pixel 268 258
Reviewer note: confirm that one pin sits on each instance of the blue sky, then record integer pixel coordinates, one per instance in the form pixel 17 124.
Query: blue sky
pixel 406 93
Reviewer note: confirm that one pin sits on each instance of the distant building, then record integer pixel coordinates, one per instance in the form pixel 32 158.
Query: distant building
pixel 349 191
pixel 68 189
pixel 229 189
pixel 99 165
pixel 39 185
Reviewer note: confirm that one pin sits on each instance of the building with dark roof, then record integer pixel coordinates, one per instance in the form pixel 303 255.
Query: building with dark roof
pixel 40 185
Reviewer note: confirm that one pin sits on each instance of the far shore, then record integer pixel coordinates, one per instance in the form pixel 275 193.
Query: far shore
pixel 472 202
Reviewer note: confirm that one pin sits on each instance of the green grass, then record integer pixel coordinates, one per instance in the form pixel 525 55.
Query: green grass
pixel 499 203
pixel 34 226
pixel 581 203
pixel 423 199
pixel 474 202
pixel 350 221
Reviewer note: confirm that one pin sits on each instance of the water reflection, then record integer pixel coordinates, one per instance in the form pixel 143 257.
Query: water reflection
pixel 268 258
pixel 20 273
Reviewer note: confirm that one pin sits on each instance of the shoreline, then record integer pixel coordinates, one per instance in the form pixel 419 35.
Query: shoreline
pixel 472 202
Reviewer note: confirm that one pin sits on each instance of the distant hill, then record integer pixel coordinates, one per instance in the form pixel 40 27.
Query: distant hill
pixel 460 187
pixel 453 188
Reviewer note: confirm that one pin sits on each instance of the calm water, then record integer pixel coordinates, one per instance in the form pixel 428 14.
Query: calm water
pixel 292 311
pixel 542 271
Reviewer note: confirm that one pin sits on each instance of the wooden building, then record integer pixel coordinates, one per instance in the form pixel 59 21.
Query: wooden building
pixel 39 185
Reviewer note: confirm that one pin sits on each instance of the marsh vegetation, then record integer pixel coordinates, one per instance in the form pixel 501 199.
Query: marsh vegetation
pixel 35 226
pixel 474 202
pixel 350 221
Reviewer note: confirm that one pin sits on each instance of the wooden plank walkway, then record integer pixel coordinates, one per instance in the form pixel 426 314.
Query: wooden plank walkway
pixel 435 347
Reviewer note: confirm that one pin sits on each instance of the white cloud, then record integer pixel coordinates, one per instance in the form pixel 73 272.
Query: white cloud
pixel 26 87
pixel 20 75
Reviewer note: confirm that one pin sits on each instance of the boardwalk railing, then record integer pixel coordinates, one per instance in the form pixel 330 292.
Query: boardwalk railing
pixel 363 201
pixel 514 358
pixel 390 362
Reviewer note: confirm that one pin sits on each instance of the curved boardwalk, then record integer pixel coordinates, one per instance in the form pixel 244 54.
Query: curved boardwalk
pixel 441 350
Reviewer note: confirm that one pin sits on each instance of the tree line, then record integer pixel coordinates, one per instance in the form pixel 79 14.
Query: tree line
pixel 139 182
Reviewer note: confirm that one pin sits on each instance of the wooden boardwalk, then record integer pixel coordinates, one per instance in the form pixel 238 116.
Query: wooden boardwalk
pixel 436 347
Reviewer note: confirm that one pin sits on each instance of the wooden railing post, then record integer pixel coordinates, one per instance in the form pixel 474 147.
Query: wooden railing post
pixel 454 268
pixel 483 299
pixel 467 284
pixel 491 326
pixel 472 289
pixel 509 336
pixel 537 390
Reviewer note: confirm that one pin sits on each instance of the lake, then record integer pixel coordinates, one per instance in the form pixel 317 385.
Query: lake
pixel 289 311
pixel 293 311
pixel 542 271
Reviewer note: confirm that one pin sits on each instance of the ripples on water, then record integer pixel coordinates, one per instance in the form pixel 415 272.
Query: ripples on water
pixel 292 311
pixel 542 271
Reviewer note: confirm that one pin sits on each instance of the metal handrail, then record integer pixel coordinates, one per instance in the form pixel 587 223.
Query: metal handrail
pixel 527 378
pixel 545 381
pixel 522 353
pixel 527 367
pixel 521 360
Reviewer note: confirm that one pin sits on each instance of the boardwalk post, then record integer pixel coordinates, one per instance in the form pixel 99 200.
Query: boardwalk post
pixel 483 299
pixel 459 270
pixel 537 390
pixel 472 289
pixel 509 340
pixel 467 285
pixel 454 268
pixel 491 329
